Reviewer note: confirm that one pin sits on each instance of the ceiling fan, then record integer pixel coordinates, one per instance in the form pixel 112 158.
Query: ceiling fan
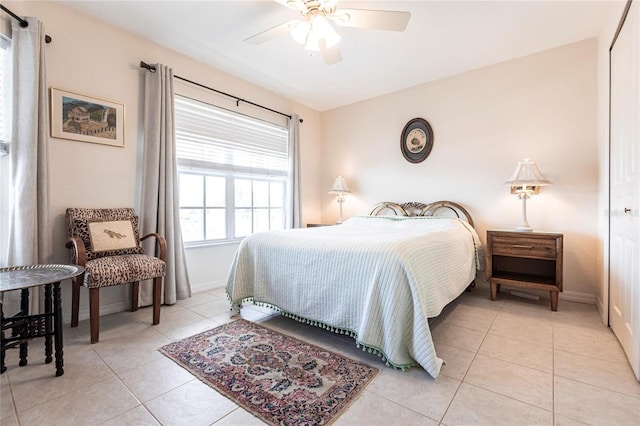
pixel 315 32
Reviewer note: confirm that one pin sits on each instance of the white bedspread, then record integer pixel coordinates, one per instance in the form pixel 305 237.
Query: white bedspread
pixel 378 278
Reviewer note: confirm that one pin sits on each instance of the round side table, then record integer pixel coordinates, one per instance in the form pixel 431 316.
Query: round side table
pixel 18 329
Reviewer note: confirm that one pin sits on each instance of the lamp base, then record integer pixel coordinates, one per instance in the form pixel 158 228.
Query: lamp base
pixel 524 223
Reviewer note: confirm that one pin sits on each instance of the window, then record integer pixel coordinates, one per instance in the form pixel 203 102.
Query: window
pixel 233 173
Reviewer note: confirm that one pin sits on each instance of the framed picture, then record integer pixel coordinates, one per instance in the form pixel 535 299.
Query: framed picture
pixel 416 140
pixel 83 118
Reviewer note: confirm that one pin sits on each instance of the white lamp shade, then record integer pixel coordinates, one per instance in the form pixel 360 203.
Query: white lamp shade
pixel 339 187
pixel 527 174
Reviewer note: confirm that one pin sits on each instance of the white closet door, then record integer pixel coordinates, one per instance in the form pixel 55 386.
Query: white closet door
pixel 624 266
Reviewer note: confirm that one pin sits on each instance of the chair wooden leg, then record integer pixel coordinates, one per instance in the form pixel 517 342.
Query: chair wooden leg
pixel 94 313
pixel 75 299
pixel 157 289
pixel 135 293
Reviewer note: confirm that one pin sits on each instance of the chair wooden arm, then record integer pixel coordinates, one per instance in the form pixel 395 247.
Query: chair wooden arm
pixel 77 245
pixel 162 244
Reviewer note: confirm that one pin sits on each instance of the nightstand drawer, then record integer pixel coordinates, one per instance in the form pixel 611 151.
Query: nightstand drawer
pixel 524 246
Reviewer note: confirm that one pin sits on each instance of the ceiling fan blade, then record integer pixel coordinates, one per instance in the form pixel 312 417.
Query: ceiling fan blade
pixel 389 20
pixel 330 55
pixel 271 33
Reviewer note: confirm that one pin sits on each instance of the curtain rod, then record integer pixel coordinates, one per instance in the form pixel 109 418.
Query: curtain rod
pixel 152 68
pixel 23 22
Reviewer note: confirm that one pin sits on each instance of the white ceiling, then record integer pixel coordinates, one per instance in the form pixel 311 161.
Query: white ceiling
pixel 442 38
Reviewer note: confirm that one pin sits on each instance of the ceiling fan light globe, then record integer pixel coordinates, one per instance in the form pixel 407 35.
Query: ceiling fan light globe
pixel 321 26
pixel 300 32
pixel 313 42
pixel 322 29
pixel 331 39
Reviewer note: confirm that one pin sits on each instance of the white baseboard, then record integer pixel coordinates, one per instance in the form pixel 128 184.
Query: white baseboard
pixel 125 305
pixel 206 286
pixel 602 310
pixel 111 308
pixel 578 297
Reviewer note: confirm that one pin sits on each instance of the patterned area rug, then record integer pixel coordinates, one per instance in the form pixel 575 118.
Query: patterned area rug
pixel 277 378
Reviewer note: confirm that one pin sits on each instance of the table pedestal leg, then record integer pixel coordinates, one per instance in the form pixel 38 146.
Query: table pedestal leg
pixel 48 324
pixel 57 316
pixel 3 367
pixel 23 329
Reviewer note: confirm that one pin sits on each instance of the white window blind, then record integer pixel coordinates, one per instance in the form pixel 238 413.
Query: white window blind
pixel 214 138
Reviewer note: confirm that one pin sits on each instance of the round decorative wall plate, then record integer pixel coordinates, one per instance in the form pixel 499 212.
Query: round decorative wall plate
pixel 416 140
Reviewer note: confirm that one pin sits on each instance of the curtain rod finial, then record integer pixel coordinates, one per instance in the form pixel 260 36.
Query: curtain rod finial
pixel 151 68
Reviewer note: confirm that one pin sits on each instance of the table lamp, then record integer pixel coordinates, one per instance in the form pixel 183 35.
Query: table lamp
pixel 525 181
pixel 339 188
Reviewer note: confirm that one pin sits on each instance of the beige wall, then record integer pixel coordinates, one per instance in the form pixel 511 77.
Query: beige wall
pixel 542 106
pixel 95 59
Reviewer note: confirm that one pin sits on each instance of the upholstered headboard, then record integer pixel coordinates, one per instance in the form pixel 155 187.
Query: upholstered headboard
pixel 438 208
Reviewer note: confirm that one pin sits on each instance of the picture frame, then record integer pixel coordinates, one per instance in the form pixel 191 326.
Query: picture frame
pixel 87 119
pixel 416 140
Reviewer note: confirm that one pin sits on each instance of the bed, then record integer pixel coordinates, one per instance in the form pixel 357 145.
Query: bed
pixel 377 278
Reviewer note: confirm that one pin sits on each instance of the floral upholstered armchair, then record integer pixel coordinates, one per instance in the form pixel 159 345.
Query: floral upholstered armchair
pixel 107 244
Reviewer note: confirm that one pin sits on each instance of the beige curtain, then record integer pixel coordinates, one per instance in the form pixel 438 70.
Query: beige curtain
pixel 30 239
pixel 159 209
pixel 294 215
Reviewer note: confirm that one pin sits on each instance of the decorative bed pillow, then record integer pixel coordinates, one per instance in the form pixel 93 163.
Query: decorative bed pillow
pixel 112 235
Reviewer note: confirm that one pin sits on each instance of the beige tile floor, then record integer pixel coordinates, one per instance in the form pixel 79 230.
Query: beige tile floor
pixel 508 362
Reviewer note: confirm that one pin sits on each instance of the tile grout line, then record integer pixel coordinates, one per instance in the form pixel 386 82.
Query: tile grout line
pixel 393 402
pixel 580 381
pixel 121 382
pixel 475 355
pixel 62 396
pixel 13 401
pixel 511 398
pixel 230 413
pixel 599 387
pixel 489 390
pixel 141 403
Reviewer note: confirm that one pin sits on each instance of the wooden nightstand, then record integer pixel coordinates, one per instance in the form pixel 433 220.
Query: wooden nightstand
pixel 525 259
pixel 313 225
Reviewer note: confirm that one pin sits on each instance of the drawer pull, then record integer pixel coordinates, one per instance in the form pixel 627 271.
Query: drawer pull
pixel 521 246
